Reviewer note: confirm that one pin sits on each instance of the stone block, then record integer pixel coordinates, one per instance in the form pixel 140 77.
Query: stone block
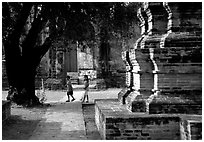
pixel 123 125
pixel 6 110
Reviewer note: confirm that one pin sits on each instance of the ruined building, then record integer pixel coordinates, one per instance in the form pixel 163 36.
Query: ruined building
pixel 163 98
pixel 71 59
pixel 79 59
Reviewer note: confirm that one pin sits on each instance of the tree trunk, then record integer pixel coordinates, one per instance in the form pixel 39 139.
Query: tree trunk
pixel 23 58
pixel 29 83
pixel 21 72
pixel 104 52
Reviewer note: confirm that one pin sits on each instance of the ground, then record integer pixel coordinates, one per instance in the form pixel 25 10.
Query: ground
pixel 23 121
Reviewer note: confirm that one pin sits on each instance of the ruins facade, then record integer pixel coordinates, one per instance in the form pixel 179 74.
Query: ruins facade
pixel 163 98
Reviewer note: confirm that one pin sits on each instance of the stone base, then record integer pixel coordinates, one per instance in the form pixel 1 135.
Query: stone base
pixel 175 104
pixel 136 101
pixel 114 121
pixel 168 102
pixel 6 110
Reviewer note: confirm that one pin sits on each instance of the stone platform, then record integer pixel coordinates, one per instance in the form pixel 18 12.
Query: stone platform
pixel 114 121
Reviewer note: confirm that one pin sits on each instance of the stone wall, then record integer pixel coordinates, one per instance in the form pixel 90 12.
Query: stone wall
pixel 115 122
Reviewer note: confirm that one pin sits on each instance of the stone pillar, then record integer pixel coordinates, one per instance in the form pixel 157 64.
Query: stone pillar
pixel 126 59
pixel 132 66
pixel 153 17
pixel 142 16
pixel 129 78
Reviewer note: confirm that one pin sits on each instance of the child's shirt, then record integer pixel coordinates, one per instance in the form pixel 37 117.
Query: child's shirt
pixel 86 84
pixel 69 86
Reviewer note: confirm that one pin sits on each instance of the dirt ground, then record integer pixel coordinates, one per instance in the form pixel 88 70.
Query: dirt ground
pixel 22 122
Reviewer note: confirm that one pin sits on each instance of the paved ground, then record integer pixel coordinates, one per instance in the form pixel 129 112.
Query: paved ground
pixel 61 121
pixel 65 120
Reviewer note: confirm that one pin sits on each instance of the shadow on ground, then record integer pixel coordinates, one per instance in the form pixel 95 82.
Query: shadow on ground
pixel 17 128
pixel 39 123
pixel 22 122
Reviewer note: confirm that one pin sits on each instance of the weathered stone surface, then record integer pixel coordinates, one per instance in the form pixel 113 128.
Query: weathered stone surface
pixel 115 122
pixel 191 129
pixel 167 77
pixel 168 56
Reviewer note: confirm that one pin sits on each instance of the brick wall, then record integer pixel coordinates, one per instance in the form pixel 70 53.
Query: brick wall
pixel 165 101
pixel 143 128
pixel 167 59
pixel 115 122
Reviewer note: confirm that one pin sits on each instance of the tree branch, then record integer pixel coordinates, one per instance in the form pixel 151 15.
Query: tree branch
pixel 17 30
pixel 32 36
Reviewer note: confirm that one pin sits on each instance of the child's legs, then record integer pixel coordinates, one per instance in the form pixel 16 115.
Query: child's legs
pixel 86 95
pixel 72 97
pixel 68 94
pixel 71 94
pixel 68 97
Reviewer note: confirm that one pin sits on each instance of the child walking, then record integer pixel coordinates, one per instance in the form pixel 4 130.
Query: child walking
pixel 69 89
pixel 86 88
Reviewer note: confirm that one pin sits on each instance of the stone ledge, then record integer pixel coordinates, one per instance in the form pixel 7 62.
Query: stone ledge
pixel 114 121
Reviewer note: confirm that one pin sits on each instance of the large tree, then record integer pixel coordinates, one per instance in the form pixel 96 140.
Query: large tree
pixel 29 29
